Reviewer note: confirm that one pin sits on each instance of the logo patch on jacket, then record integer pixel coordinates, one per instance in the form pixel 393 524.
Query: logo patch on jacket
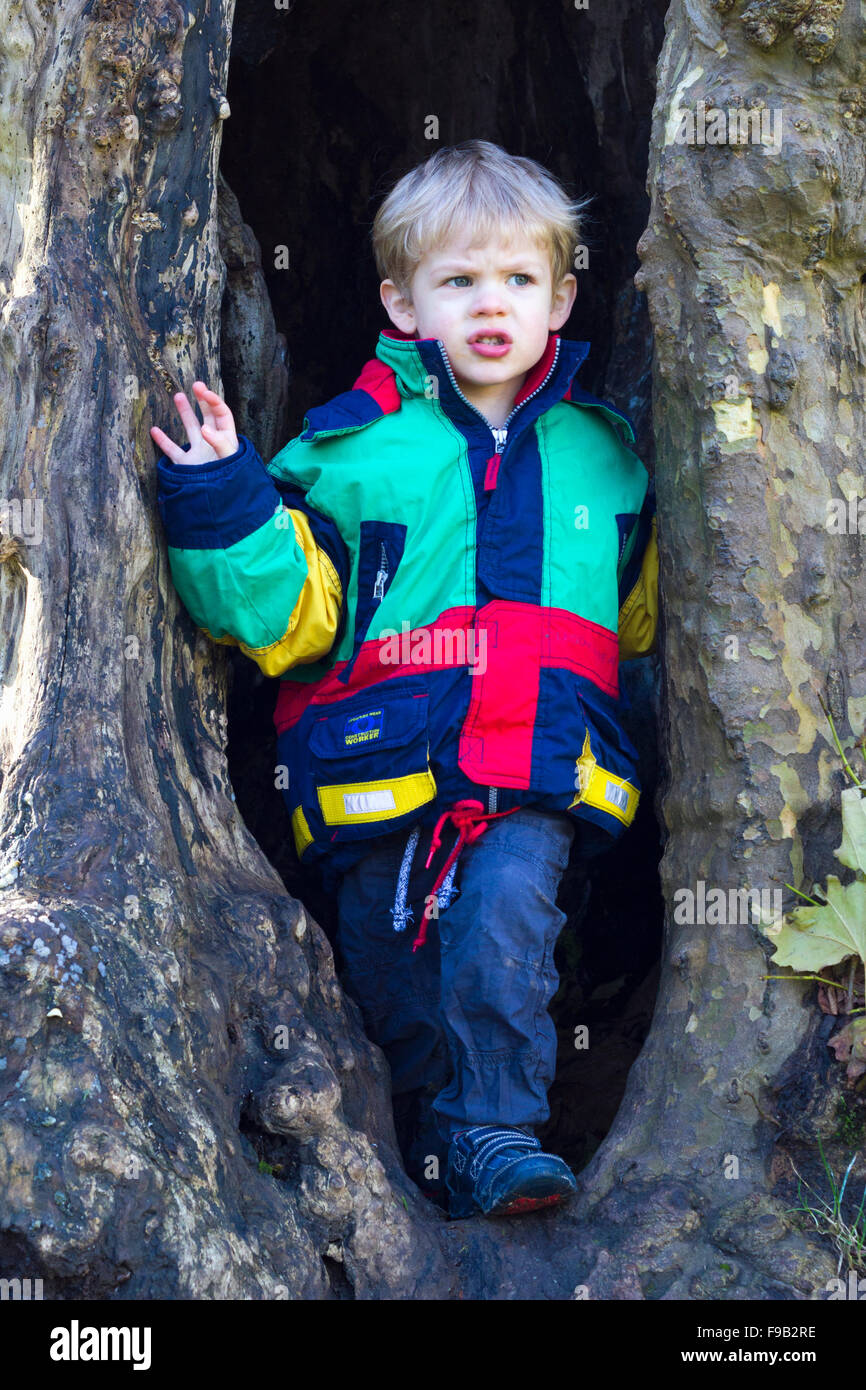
pixel 363 728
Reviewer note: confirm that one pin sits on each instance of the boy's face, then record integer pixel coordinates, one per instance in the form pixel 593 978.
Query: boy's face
pixel 463 294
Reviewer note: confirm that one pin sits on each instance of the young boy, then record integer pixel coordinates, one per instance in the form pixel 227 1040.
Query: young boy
pixel 451 559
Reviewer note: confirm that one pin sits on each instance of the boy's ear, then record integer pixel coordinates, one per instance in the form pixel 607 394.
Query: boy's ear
pixel 398 306
pixel 563 298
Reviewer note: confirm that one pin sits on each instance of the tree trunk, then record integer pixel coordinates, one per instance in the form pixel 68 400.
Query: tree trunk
pixel 751 263
pixel 158 983
pixel 189 1106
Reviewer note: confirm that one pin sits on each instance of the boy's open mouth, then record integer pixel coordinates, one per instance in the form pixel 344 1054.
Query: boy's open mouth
pixel 490 344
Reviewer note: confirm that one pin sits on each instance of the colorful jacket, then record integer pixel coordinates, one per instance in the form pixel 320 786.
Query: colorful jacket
pixel 446 604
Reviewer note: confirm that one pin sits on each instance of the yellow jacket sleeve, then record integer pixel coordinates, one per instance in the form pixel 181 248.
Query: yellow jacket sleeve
pixel 638 616
pixel 314 620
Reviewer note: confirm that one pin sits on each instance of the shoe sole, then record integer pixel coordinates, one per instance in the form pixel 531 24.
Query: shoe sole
pixel 521 1204
pixel 515 1207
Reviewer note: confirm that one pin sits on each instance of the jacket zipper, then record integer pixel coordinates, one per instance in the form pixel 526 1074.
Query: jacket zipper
pixel 540 387
pixel 381 577
pixel 500 436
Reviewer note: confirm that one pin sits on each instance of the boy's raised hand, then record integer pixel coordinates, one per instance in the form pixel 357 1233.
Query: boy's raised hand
pixel 214 439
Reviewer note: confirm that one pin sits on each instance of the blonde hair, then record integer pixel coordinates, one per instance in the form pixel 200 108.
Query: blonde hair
pixel 474 185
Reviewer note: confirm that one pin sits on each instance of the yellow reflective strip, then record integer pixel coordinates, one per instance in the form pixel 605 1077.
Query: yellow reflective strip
pixel 316 615
pixel 301 831
pixel 604 790
pixel 607 792
pixel 407 793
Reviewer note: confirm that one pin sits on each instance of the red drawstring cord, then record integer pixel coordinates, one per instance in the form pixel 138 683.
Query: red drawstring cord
pixel 463 814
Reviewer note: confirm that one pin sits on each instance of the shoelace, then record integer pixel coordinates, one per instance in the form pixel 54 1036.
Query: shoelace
pixel 495 1142
pixel 471 820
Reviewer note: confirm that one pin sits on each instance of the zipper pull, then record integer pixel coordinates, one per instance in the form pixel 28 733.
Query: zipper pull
pixel 492 471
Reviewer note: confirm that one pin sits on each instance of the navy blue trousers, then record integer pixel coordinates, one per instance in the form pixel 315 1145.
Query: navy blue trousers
pixel 467 1013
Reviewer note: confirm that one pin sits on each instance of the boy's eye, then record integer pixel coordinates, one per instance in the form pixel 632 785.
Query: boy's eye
pixel 519 274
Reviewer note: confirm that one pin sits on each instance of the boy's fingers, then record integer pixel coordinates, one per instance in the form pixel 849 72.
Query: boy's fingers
pixel 185 410
pixel 207 399
pixel 168 446
pixel 216 415
pixel 189 418
pixel 203 388
pixel 213 407
pixel 218 440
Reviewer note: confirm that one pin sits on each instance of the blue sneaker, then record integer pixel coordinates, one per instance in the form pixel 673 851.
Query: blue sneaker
pixel 501 1171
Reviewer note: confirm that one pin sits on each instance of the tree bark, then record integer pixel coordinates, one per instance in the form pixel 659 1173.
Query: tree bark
pixel 159 986
pixel 752 264
pixel 189 1106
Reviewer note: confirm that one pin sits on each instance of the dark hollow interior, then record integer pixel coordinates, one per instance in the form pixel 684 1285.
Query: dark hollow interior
pixel 330 105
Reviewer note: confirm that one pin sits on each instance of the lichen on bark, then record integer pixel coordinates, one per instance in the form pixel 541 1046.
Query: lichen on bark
pixel 814 23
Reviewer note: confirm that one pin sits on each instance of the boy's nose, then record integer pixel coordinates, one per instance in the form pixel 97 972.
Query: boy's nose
pixel 489 299
pixel 488 309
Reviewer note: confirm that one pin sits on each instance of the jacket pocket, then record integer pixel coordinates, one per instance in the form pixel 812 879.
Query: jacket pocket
pixel 380 551
pixel 365 767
